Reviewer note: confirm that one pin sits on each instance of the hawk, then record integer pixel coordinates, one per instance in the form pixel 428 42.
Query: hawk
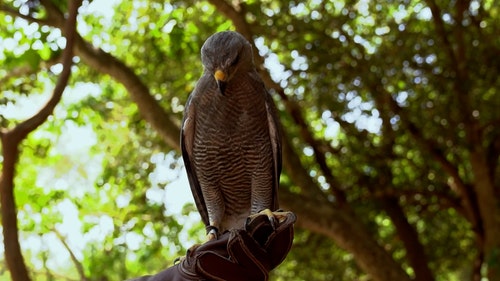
pixel 230 137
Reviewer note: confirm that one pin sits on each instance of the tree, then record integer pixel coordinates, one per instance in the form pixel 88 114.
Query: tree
pixel 10 148
pixel 389 113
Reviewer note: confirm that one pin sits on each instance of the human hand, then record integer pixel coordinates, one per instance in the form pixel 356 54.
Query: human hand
pixel 244 254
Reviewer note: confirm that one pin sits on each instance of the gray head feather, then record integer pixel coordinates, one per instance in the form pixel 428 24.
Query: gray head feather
pixel 228 51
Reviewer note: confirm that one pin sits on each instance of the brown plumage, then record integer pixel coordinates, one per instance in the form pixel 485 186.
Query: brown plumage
pixel 230 139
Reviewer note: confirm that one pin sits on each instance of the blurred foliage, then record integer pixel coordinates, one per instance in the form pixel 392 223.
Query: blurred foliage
pixel 339 60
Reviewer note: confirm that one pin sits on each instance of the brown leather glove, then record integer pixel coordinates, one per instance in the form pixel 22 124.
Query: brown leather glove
pixel 236 255
pixel 275 242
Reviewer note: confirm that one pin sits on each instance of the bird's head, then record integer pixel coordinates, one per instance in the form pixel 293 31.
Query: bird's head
pixel 224 54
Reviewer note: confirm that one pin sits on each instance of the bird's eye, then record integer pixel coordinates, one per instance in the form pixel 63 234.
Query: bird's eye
pixel 235 61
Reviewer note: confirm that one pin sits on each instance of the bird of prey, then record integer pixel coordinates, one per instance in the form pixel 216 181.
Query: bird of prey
pixel 230 137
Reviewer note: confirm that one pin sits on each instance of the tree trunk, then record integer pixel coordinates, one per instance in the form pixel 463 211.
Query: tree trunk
pixel 489 207
pixel 10 150
pixel 415 252
pixel 13 256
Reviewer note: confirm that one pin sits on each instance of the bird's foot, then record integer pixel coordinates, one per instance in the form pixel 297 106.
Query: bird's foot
pixel 262 224
pixel 280 215
pixel 273 219
pixel 211 233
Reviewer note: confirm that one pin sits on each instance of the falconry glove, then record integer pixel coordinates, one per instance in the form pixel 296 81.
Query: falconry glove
pixel 251 253
pixel 238 255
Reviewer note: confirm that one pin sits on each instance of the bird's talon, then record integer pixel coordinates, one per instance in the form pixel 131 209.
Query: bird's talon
pixel 280 216
pixel 273 220
pixel 212 234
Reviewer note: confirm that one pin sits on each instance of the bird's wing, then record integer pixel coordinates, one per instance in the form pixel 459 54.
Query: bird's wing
pixel 275 134
pixel 187 141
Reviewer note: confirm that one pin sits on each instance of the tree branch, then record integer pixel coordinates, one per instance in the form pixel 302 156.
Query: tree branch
pixel 238 19
pixel 441 31
pixel 29 125
pixel 104 62
pixel 76 262
pixel 415 252
pixel 25 70
pixel 10 143
pixel 463 190
pixel 493 152
pixel 458 64
pixel 15 13
pixel 445 200
pixel 343 227
pixel 299 175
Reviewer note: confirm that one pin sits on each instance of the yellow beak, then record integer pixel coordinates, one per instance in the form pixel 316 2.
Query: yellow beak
pixel 220 75
pixel 220 78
